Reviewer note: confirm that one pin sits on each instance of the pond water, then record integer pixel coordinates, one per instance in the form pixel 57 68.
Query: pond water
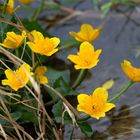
pixel 119 40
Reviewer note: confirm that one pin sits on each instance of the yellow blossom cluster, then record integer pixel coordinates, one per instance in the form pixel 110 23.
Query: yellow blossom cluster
pixel 39 44
pixel 87 57
pixel 96 104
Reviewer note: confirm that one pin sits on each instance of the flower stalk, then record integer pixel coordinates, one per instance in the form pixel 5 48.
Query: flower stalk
pixel 80 78
pixel 129 84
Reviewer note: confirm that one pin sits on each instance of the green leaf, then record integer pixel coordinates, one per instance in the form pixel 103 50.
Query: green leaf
pixel 105 8
pixel 61 86
pixel 124 2
pixel 51 5
pixel 28 115
pixel 53 75
pixel 86 128
pixel 4 28
pixel 58 111
pixel 15 115
pixel 95 4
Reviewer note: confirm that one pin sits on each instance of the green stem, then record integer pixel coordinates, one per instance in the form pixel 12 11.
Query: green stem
pixel 67 45
pixel 17 53
pixel 129 84
pixel 5 6
pixel 38 11
pixel 80 78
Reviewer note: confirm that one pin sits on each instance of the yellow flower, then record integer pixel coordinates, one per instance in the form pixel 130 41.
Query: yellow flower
pixel 86 33
pixel 26 2
pixel 13 40
pixel 44 46
pixel 86 58
pixel 132 72
pixel 40 75
pixel 10 7
pixel 95 105
pixel 17 79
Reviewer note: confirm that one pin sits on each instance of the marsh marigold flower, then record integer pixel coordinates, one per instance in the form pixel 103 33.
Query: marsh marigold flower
pixel 131 72
pixel 86 58
pixel 96 104
pixel 40 74
pixel 44 46
pixel 13 40
pixel 26 2
pixel 17 79
pixel 86 33
pixel 10 7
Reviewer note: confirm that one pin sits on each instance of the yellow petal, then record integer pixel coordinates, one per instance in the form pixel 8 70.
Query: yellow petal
pixel 26 2
pixel 37 36
pixel 86 33
pixel 86 58
pixel 96 104
pixel 51 52
pixel 33 46
pixel 108 84
pixel 44 46
pixel 10 74
pixel 13 40
pixel 86 28
pixel 131 72
pixel 10 7
pixel 40 70
pixel 109 106
pixel 82 98
pixel 40 74
pixel 73 58
pixel 17 79
pixel 100 94
pixel 43 80
pixel 97 53
pixel 95 34
pixel 84 101
pixel 86 46
pixel 98 115
pixel 77 67
pixel 5 82
pixel 55 41
pixel 77 36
